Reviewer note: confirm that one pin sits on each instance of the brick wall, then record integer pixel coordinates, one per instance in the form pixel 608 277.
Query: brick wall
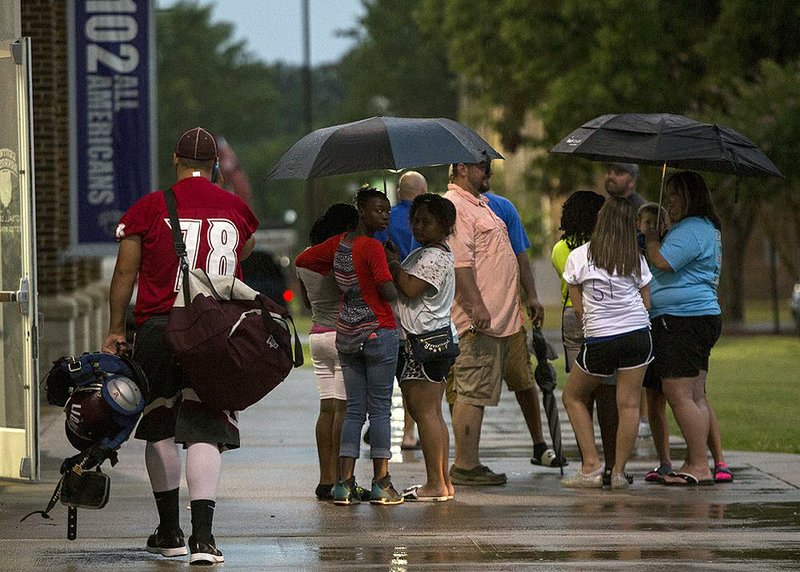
pixel 46 24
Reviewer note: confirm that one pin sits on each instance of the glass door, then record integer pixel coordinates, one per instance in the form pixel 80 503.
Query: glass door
pixel 19 395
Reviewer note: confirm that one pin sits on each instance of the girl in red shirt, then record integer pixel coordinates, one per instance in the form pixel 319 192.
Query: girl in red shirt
pixel 367 342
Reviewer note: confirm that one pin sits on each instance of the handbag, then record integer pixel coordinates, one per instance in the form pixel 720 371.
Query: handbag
pixel 83 488
pixel 233 344
pixel 435 345
pixel 78 488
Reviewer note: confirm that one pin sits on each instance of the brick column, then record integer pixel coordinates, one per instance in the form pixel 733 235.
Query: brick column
pixel 66 309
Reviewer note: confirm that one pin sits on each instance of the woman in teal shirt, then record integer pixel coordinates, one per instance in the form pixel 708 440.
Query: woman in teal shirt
pixel 685 314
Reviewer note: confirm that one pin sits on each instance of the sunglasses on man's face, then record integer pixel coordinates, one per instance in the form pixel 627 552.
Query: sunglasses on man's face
pixel 485 167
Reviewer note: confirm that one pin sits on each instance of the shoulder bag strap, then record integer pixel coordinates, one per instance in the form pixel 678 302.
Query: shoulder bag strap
pixel 180 246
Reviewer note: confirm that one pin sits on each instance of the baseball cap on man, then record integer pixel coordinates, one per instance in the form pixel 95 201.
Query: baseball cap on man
pixel 197 144
pixel 631 168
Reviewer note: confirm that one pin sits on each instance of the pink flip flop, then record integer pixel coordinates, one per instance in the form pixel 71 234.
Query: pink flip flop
pixel 722 473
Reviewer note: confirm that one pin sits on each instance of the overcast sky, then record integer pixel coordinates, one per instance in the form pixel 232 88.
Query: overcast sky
pixel 273 28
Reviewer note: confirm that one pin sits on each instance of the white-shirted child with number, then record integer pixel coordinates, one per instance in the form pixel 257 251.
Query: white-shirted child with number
pixel 608 282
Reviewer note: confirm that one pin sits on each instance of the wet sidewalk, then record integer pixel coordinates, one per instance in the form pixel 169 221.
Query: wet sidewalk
pixel 268 519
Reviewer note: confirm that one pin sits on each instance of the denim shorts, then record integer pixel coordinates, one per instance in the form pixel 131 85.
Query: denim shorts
pixel 408 367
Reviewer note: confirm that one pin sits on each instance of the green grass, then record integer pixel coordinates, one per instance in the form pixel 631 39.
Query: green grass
pixel 754 386
pixel 303 324
pixel 762 311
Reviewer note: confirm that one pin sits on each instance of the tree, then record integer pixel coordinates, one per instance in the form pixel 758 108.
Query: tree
pixel 768 108
pixel 206 77
pixel 396 68
pixel 752 85
pixel 566 62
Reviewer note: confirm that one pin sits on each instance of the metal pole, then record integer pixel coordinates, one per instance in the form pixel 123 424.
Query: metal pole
pixel 307 107
pixel 773 277
pixel 310 190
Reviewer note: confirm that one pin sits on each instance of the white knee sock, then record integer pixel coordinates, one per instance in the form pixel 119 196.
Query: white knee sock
pixel 163 462
pixel 203 468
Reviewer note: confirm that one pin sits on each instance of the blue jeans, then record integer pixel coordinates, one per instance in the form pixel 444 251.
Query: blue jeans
pixel 369 380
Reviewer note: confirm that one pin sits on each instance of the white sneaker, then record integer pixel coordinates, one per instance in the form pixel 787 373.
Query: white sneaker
pixel 579 480
pixel 644 430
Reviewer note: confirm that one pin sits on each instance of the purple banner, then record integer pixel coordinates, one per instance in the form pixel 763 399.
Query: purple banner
pixel 111 131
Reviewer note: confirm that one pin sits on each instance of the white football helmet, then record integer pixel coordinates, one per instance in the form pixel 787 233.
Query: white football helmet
pixel 123 395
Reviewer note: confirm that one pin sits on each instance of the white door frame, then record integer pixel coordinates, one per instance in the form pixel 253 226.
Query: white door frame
pixel 19 446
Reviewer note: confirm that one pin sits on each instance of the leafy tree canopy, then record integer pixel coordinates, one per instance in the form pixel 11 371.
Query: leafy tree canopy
pixel 207 77
pixel 397 68
pixel 563 63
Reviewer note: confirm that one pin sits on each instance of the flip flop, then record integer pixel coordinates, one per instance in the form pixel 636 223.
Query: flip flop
pixel 688 480
pixel 658 473
pixel 722 474
pixel 411 494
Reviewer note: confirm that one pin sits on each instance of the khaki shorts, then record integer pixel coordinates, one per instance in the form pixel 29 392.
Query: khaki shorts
pixel 476 377
pixel 518 372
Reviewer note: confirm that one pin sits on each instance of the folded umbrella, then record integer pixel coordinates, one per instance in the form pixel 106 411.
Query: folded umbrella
pixel 382 143
pixel 546 378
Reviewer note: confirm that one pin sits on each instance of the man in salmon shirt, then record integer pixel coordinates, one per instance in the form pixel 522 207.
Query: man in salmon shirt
pixel 218 229
pixel 486 313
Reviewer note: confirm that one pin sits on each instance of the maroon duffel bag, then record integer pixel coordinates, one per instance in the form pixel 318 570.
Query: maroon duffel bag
pixel 234 344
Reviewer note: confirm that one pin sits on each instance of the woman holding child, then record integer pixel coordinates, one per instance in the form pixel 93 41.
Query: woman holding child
pixel 686 317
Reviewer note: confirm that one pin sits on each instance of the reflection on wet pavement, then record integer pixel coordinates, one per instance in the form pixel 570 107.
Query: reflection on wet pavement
pixel 268 519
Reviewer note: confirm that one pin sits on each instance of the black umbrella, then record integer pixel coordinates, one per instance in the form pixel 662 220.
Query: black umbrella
pixel 546 378
pixel 667 139
pixel 382 143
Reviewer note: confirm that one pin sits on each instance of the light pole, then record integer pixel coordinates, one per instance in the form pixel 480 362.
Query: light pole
pixel 311 186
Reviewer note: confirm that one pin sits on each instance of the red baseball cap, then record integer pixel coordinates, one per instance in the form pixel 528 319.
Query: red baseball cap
pixel 197 144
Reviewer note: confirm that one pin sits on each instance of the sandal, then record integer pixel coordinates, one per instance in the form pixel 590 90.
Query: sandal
pixel 687 480
pixel 658 473
pixel 722 474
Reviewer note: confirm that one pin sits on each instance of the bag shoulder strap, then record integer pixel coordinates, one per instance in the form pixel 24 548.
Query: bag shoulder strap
pixel 177 238
pixel 440 245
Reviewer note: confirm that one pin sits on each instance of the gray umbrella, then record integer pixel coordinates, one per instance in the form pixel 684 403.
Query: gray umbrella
pixel 667 139
pixel 546 378
pixel 382 143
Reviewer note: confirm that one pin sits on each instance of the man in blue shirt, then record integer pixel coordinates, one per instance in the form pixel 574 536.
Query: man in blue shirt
pixel 410 185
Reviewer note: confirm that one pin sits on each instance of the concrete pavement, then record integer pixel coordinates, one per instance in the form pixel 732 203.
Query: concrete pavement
pixel 268 519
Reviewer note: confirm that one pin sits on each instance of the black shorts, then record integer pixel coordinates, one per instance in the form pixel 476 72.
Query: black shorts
pixel 434 371
pixel 626 351
pixel 173 409
pixel 682 346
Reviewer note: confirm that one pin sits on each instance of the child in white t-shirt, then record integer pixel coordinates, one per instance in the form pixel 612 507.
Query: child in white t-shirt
pixel 426 286
pixel 608 279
